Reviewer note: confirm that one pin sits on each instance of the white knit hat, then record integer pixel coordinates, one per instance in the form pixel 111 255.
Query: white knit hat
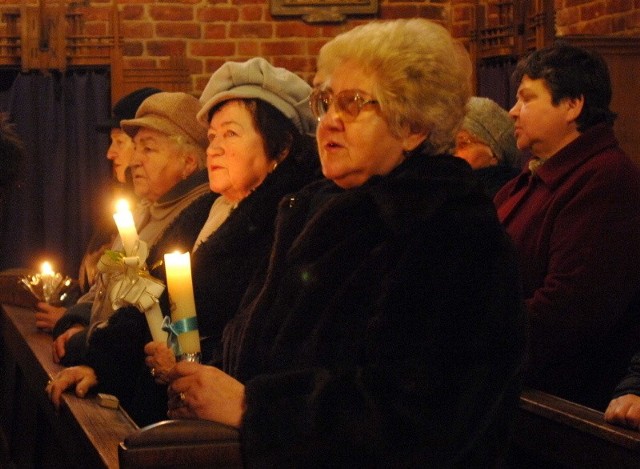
pixel 256 78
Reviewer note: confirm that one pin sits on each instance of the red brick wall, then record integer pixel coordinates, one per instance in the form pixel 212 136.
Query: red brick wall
pixel 209 32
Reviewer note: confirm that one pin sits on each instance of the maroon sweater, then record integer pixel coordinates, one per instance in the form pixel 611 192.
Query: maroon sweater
pixel 576 223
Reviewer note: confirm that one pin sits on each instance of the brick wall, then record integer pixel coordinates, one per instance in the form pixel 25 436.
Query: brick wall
pixel 209 32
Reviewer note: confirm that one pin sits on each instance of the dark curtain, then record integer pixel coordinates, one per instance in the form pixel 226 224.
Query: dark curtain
pixel 494 80
pixel 52 212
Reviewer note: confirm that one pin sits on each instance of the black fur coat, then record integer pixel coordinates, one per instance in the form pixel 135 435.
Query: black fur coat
pixel 390 332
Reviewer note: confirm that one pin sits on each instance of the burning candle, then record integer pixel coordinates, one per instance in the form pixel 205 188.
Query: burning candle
pixel 180 287
pixel 126 227
pixel 46 270
pixel 47 279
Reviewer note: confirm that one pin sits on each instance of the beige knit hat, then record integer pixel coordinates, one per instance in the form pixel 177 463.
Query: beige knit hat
pixel 170 113
pixel 257 78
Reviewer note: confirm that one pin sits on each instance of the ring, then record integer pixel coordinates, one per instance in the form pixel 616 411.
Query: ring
pixel 153 372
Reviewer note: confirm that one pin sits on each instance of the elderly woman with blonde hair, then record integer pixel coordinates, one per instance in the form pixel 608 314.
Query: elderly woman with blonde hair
pixel 389 331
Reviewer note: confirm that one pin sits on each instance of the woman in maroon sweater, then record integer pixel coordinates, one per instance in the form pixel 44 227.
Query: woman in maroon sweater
pixel 574 216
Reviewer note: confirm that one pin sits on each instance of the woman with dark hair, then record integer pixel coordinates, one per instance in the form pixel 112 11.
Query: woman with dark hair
pixel 260 148
pixel 574 215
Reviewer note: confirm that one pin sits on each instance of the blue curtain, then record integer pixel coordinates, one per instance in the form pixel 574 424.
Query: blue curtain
pixel 52 213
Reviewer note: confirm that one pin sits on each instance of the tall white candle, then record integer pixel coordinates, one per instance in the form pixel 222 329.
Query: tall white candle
pixel 180 287
pixel 126 227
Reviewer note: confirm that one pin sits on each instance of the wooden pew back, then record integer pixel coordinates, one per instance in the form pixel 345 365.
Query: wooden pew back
pixel 83 434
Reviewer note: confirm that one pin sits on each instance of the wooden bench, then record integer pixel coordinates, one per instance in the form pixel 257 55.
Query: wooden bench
pixel 548 430
pixel 83 434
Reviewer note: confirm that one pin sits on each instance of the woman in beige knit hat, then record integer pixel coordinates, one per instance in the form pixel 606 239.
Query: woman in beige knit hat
pixel 168 175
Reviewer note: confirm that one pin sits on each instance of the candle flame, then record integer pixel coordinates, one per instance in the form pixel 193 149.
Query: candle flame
pixel 46 269
pixel 122 205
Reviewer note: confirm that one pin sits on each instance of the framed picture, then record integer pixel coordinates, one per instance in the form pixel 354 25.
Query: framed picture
pixel 323 11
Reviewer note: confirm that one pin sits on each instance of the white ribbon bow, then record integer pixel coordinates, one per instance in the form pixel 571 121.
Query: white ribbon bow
pixel 132 283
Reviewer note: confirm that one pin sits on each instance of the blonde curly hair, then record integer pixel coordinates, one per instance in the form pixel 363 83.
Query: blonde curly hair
pixel 422 74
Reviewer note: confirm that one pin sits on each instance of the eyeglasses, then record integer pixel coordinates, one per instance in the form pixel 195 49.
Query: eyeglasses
pixel 348 102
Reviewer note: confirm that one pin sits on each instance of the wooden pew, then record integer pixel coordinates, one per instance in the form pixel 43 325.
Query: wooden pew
pixel 83 434
pixel 187 444
pixel 553 430
pixel 549 431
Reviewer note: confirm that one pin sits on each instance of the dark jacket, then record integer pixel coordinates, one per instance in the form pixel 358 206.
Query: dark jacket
pixel 390 330
pixel 630 384
pixel 222 268
pixel 495 177
pixel 576 225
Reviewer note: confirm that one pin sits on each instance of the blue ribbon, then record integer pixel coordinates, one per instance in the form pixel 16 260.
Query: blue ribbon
pixel 174 329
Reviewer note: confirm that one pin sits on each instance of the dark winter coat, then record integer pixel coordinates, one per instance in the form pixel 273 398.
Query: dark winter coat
pixel 390 332
pixel 222 268
pixel 576 225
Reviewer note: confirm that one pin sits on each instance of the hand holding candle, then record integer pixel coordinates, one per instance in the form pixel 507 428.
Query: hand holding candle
pixel 126 227
pixel 180 287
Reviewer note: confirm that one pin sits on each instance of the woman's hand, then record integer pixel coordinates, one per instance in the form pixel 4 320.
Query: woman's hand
pixel 59 344
pixel 625 411
pixel 83 377
pixel 205 392
pixel 160 360
pixel 47 315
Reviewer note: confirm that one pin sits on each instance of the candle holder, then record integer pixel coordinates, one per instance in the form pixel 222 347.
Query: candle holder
pixel 54 289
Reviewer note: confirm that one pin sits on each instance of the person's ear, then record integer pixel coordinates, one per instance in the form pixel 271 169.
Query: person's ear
pixel 411 140
pixel 190 165
pixel 574 107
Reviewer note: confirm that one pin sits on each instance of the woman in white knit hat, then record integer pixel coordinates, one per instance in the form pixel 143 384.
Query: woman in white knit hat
pixel 259 128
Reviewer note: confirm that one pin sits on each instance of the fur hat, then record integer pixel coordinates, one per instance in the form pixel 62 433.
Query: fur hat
pixel 489 122
pixel 257 78
pixel 171 114
pixel 125 108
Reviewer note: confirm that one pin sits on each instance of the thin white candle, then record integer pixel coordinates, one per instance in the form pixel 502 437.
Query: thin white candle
pixel 126 227
pixel 180 287
pixel 47 279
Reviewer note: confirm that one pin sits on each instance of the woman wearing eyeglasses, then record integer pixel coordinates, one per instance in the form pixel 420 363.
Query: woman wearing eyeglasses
pixel 389 331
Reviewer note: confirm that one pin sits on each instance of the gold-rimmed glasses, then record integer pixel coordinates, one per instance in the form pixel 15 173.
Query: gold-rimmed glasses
pixel 348 103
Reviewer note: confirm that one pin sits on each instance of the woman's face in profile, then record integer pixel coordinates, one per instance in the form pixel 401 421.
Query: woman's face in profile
pixel 236 160
pixel 155 168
